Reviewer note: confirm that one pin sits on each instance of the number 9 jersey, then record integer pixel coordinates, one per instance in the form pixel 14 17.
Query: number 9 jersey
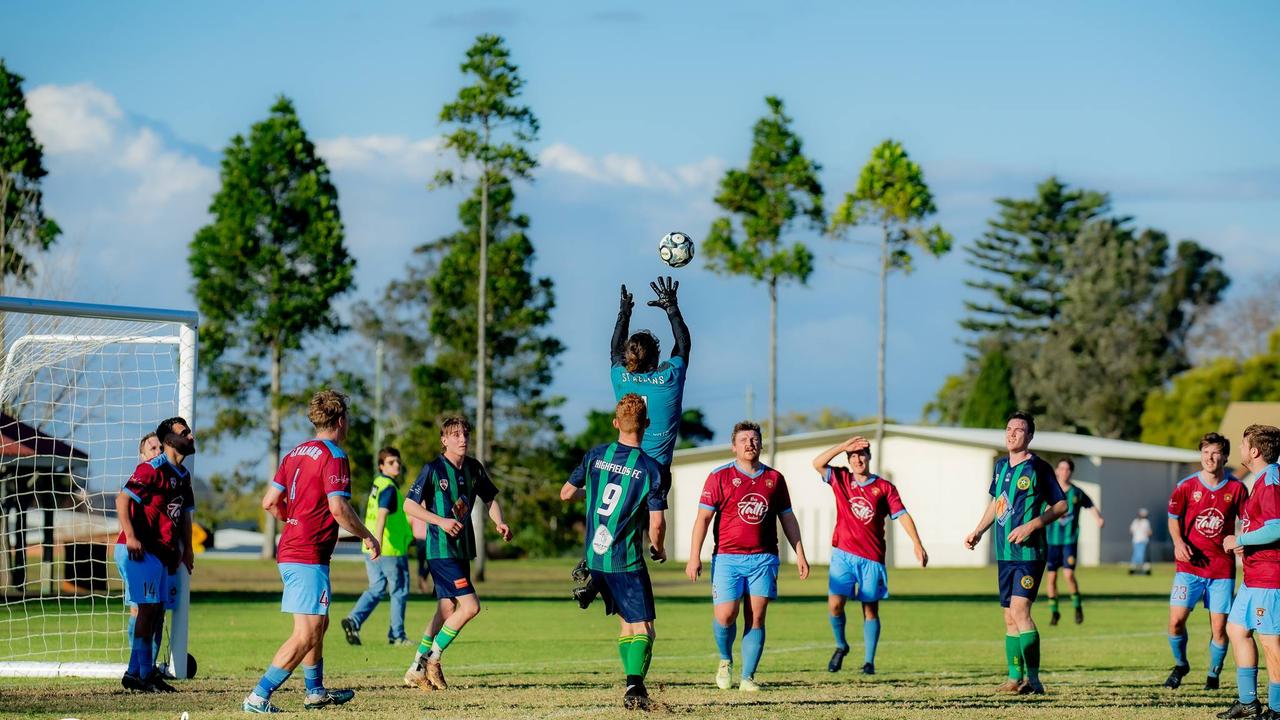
pixel 622 486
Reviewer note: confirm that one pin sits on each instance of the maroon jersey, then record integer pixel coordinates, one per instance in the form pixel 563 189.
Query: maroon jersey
pixel 1262 562
pixel 860 512
pixel 161 493
pixel 1206 515
pixel 747 508
pixel 310 474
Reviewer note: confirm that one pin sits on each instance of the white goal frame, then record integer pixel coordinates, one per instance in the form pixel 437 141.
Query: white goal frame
pixel 187 343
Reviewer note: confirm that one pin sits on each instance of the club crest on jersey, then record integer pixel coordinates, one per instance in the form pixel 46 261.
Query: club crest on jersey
pixel 1002 509
pixel 1261 611
pixel 875 491
pixel 1024 483
pixel 444 483
pixel 861 509
pixel 769 482
pixel 737 482
pixel 1195 496
pixel 1210 523
pixel 1027 581
pixel 753 508
pixel 1227 497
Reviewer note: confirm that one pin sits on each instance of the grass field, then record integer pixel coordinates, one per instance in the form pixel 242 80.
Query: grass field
pixel 532 653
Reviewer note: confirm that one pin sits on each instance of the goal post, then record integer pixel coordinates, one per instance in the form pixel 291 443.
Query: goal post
pixel 80 385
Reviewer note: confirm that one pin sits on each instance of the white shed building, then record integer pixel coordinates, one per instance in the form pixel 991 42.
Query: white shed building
pixel 943 475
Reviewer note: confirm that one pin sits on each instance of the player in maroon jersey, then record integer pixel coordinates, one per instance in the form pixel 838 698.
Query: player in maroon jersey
pixel 863 501
pixel 748 500
pixel 311 496
pixel 1202 513
pixel 154 509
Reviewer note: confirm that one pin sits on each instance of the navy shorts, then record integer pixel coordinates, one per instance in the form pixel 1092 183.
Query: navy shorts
pixel 452 578
pixel 1061 556
pixel 1021 578
pixel 628 595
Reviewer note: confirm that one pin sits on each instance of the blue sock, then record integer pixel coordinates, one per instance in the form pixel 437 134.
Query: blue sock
pixel 752 649
pixel 134 658
pixel 1178 644
pixel 870 638
pixel 1247 684
pixel 1217 654
pixel 146 660
pixel 1273 696
pixel 157 637
pixel 313 676
pixel 724 639
pixel 128 632
pixel 273 678
pixel 837 629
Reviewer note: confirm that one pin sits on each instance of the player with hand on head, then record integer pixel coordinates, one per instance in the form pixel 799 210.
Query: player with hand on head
pixel 1021 486
pixel 1256 608
pixel 637 367
pixel 622 487
pixel 863 501
pixel 311 497
pixel 1063 537
pixel 1203 509
pixel 443 496
pixel 747 500
pixel 154 510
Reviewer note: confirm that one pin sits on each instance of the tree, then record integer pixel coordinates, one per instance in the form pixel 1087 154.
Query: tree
pixel 778 186
pixel 492 132
pixel 1197 400
pixel 891 193
pixel 1025 248
pixel 267 270
pixel 24 226
pixel 991 399
pixel 693 430
pixel 1128 303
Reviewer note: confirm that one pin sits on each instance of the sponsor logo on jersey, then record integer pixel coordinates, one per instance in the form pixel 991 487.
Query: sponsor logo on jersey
pixel 602 541
pixel 1002 509
pixel 706 495
pixel 1026 582
pixel 752 508
pixel 1210 523
pixel 174 509
pixel 460 583
pixel 337 480
pixel 1024 483
pixel 861 509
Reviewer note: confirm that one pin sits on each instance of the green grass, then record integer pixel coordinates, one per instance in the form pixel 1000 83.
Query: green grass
pixel 533 653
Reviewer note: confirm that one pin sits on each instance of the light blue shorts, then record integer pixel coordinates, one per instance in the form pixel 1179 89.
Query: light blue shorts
pixel 733 576
pixel 1188 590
pixel 145 581
pixel 857 578
pixel 1257 610
pixel 306 589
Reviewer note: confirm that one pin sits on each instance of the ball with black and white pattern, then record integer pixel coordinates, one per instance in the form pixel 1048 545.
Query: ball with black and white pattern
pixel 676 249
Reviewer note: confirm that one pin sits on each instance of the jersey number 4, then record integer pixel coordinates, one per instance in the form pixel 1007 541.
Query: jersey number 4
pixel 609 500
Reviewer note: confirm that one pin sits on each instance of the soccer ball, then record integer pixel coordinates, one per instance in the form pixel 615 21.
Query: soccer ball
pixel 675 249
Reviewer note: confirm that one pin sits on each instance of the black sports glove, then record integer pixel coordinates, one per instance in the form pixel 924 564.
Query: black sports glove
pixel 626 302
pixel 665 289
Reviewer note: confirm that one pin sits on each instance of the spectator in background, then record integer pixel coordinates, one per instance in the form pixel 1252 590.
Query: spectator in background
pixel 1140 530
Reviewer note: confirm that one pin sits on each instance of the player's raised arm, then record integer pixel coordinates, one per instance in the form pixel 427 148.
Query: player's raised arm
pixel 665 289
pixel 621 328
pixel 824 458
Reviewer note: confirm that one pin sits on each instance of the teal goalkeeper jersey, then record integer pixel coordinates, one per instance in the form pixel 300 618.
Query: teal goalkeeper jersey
pixel 1066 529
pixel 1021 493
pixel 622 486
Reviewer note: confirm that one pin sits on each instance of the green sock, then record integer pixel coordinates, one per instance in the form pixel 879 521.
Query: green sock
pixel 644 645
pixel 442 641
pixel 632 662
pixel 424 647
pixel 1030 644
pixel 1013 655
pixel 1075 600
pixel 1053 604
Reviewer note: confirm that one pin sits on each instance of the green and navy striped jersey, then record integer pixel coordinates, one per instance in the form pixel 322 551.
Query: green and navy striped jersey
pixel 451 491
pixel 1066 529
pixel 1020 493
pixel 622 485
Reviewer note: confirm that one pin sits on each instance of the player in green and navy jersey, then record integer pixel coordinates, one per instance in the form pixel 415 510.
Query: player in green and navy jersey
pixel 443 496
pixel 1022 486
pixel 1063 536
pixel 622 487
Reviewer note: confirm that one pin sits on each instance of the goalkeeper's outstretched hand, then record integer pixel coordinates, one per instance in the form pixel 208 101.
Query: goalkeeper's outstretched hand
pixel 626 302
pixel 665 289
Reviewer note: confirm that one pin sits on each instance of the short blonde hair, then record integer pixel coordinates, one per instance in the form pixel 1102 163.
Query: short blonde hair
pixel 326 409
pixel 449 422
pixel 631 413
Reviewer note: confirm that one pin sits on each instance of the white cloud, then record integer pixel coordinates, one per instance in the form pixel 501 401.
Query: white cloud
pixel 386 155
pixel 73 118
pixel 616 169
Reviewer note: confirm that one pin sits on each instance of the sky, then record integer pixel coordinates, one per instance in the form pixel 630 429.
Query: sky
pixel 1170 107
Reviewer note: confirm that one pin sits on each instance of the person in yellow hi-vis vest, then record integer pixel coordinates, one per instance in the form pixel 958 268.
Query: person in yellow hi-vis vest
pixel 386 519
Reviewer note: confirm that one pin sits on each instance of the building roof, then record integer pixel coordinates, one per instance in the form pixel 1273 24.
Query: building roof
pixel 1240 415
pixel 18 439
pixel 993 438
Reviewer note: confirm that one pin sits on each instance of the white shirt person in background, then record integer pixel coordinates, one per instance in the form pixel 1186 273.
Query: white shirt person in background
pixel 1140 530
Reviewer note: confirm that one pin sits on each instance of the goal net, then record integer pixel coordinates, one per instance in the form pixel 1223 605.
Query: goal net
pixel 80 385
